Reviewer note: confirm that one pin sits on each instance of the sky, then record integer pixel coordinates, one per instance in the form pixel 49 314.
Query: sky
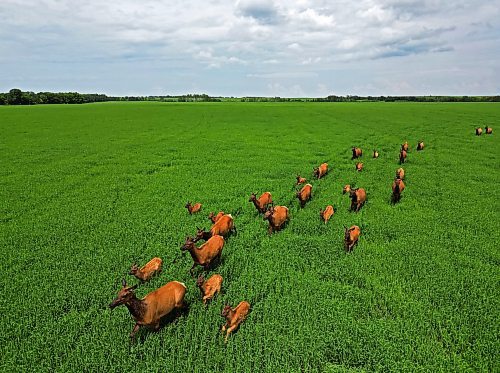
pixel 303 48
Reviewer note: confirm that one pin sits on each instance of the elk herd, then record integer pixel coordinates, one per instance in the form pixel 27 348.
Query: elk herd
pixel 170 297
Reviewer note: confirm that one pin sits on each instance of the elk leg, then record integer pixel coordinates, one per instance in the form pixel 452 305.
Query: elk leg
pixel 229 331
pixel 134 330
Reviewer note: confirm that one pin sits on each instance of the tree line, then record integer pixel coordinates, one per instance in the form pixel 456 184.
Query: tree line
pixel 17 97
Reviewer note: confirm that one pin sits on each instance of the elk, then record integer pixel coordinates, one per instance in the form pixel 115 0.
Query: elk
pixel 402 156
pixel 359 166
pixel 304 195
pixel 147 271
pixel 193 208
pixel 261 203
pixel 346 189
pixel 214 218
pixel 222 227
pixel 420 145
pixel 206 253
pixel 400 173
pixel 358 198
pixel 210 287
pixel 320 171
pixel 234 317
pixel 351 237
pixel 479 131
pixel 277 217
pixel 300 180
pixel 375 154
pixel 356 152
pixel 149 310
pixel 397 188
pixel 327 213
pixel 488 130
pixel 405 146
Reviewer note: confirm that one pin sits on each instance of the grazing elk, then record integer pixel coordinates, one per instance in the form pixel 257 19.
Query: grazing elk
pixel 147 271
pixel 479 131
pixel 214 218
pixel 358 198
pixel 420 145
pixel 400 173
pixel 356 152
pixel 359 166
pixel 346 189
pixel 488 130
pixel 402 156
pixel 149 310
pixel 193 208
pixel 234 317
pixel 222 227
pixel 261 203
pixel 300 180
pixel 405 146
pixel 304 195
pixel 206 253
pixel 327 213
pixel 209 287
pixel 351 237
pixel 277 217
pixel 397 188
pixel 375 154
pixel 320 171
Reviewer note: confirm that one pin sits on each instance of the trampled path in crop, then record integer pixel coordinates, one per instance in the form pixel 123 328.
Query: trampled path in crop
pixel 87 190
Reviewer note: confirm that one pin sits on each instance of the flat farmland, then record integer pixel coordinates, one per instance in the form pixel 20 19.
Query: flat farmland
pixel 87 190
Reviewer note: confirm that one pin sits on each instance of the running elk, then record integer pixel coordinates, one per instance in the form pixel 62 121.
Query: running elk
pixel 351 237
pixel 356 152
pixel 300 180
pixel 405 146
pixel 304 195
pixel 400 173
pixel 327 213
pixel 149 310
pixel 209 287
pixel 479 131
pixel 420 145
pixel 346 189
pixel 206 253
pixel 488 130
pixel 277 217
pixel 193 208
pixel 321 171
pixel 214 218
pixel 147 271
pixel 358 198
pixel 234 317
pixel 222 227
pixel 402 156
pixel 375 154
pixel 261 203
pixel 359 166
pixel 397 188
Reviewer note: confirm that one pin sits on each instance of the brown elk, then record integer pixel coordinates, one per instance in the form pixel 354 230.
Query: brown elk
pixel 321 171
pixel 402 156
pixel 300 180
pixel 149 310
pixel 234 317
pixel 210 287
pixel 214 218
pixel 397 188
pixel 400 173
pixel 488 130
pixel 207 253
pixel 358 198
pixel 420 145
pixel 327 213
pixel 262 202
pixel 351 237
pixel 222 227
pixel 405 146
pixel 359 166
pixel 356 152
pixel 277 217
pixel 147 271
pixel 193 208
pixel 346 189
pixel 375 154
pixel 479 131
pixel 304 195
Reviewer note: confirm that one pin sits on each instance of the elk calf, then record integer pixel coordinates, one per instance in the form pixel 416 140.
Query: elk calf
pixel 420 145
pixel 327 213
pixel 304 195
pixel 359 166
pixel 209 287
pixel 277 217
pixel 375 154
pixel 149 310
pixel 488 130
pixel 214 218
pixel 193 208
pixel 397 188
pixel 147 271
pixel 262 202
pixel 321 171
pixel 222 227
pixel 479 131
pixel 351 237
pixel 358 198
pixel 207 253
pixel 356 152
pixel 400 173
pixel 402 156
pixel 234 317
pixel 300 180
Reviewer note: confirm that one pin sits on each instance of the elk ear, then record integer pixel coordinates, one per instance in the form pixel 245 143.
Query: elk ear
pixel 124 283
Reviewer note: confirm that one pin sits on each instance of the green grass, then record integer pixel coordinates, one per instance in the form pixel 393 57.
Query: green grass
pixel 87 190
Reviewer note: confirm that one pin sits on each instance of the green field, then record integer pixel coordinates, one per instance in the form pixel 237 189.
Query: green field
pixel 87 190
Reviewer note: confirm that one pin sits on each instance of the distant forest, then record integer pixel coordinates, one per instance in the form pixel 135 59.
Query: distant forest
pixel 18 97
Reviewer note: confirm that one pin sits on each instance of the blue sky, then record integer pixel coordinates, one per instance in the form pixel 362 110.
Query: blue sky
pixel 251 47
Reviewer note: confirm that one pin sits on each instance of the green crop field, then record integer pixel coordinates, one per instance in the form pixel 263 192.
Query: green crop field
pixel 87 190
